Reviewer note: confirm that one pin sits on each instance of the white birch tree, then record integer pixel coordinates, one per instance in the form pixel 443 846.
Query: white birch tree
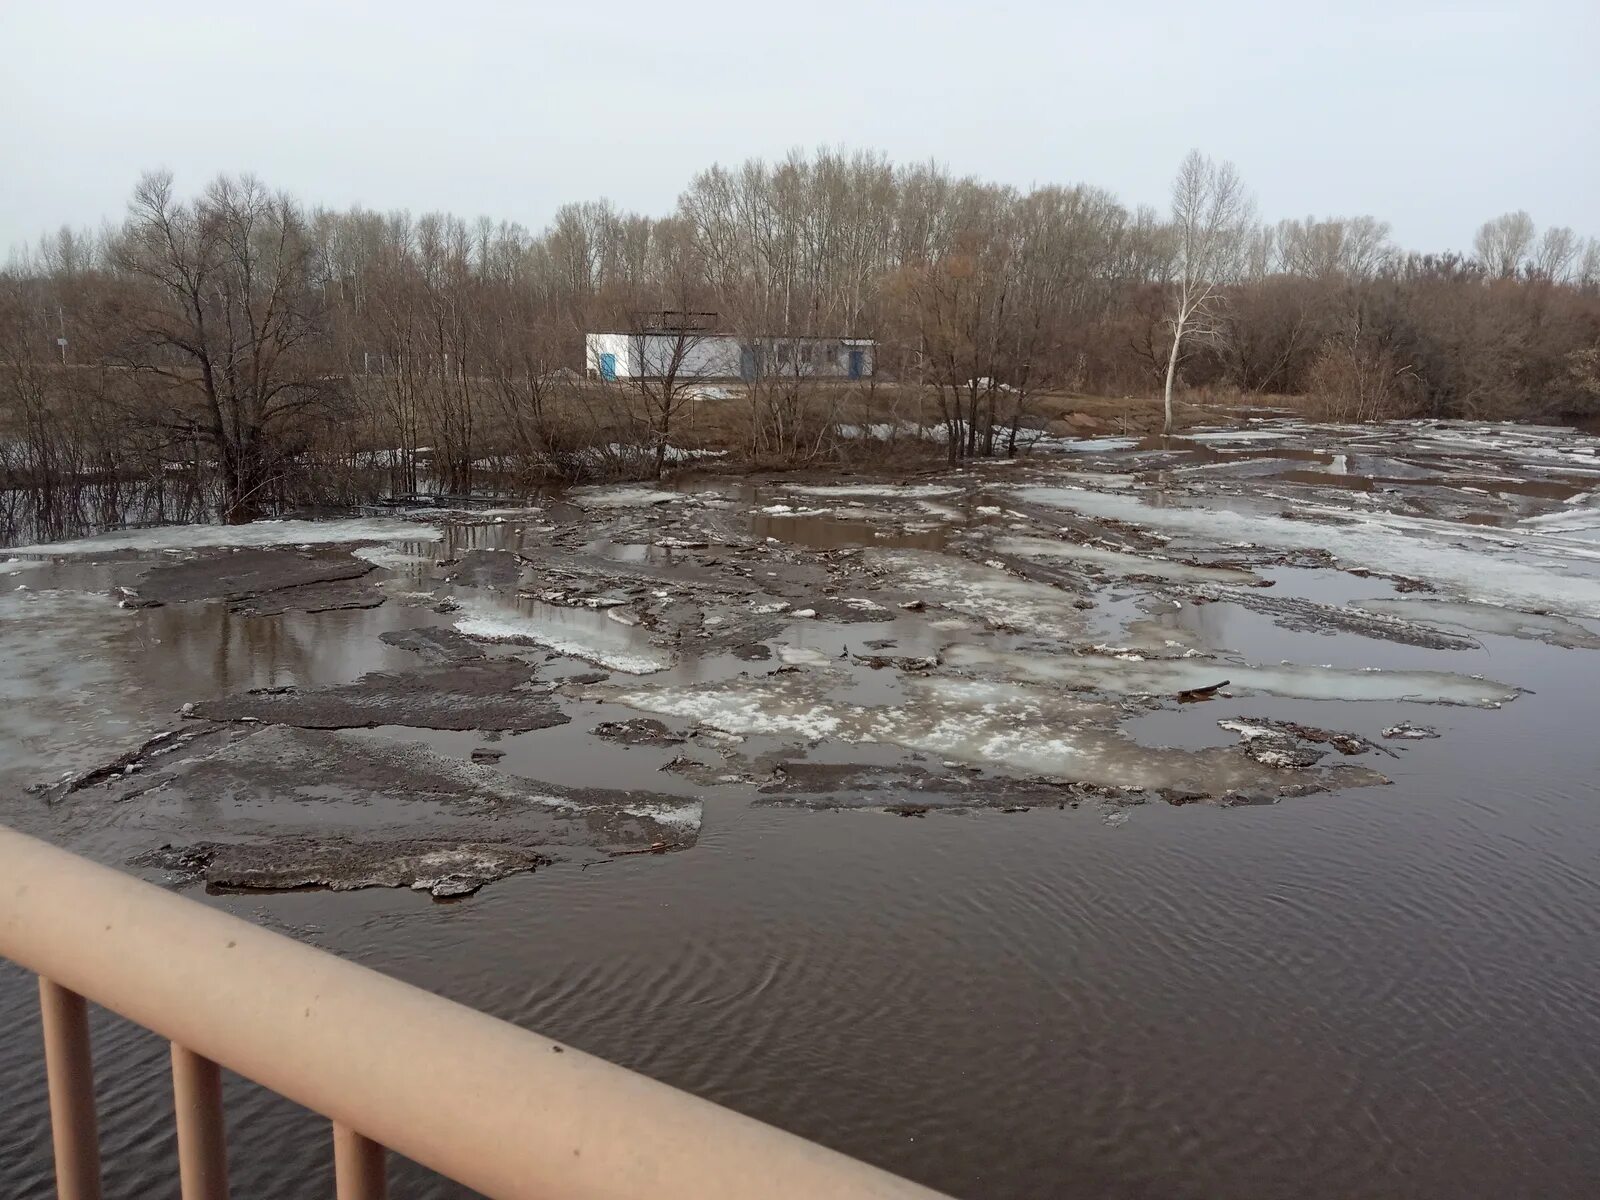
pixel 1211 218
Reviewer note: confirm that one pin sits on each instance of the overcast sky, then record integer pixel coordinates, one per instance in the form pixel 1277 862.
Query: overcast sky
pixel 1434 116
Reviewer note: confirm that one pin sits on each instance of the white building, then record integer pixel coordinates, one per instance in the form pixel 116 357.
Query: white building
pixel 697 354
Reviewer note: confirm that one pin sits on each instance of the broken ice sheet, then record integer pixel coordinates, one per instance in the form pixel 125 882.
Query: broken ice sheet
pixel 609 496
pixel 985 592
pixel 908 491
pixel 1167 677
pixel 391 558
pixel 1119 562
pixel 1521 570
pixel 1011 726
pixel 577 633
pixel 467 693
pixel 341 810
pixel 804 656
pixel 1489 618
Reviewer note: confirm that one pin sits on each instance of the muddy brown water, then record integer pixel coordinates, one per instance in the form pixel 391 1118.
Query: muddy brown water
pixel 1372 992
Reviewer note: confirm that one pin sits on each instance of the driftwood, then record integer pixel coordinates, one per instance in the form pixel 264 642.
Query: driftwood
pixel 1191 695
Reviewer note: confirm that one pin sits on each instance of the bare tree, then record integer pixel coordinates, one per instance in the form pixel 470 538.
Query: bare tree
pixel 1211 216
pixel 671 354
pixel 1556 253
pixel 1587 273
pixel 1503 243
pixel 1337 247
pixel 244 319
pixel 226 323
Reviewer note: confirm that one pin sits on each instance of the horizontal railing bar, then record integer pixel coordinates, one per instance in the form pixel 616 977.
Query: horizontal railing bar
pixel 507 1112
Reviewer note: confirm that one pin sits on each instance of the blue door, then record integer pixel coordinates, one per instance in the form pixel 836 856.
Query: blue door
pixel 858 363
pixel 608 366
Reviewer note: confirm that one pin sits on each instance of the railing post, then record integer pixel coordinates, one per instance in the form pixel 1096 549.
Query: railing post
pixel 65 1017
pixel 359 1170
pixel 202 1140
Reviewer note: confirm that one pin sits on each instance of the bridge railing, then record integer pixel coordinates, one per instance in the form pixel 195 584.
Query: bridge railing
pixel 504 1111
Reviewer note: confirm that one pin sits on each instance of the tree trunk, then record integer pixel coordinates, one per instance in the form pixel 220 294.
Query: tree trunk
pixel 1172 370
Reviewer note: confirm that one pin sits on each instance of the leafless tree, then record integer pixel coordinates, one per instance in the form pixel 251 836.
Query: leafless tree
pixel 1587 272
pixel 210 341
pixel 1556 253
pixel 1210 217
pixel 1504 243
pixel 225 322
pixel 1336 247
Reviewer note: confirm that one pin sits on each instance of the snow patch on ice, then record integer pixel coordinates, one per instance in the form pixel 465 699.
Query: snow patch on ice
pixel 586 641
pixel 391 559
pixel 803 656
pixel 684 816
pixel 1014 727
pixel 988 593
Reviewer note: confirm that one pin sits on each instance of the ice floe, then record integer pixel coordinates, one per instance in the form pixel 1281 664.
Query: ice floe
pixel 577 633
pixel 621 497
pixel 1167 677
pixel 889 491
pixel 1013 727
pixel 804 656
pixel 1520 570
pixel 391 558
pixel 1119 562
pixel 985 592
pixel 1489 618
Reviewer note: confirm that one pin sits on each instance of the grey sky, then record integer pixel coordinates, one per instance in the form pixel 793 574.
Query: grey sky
pixel 1434 116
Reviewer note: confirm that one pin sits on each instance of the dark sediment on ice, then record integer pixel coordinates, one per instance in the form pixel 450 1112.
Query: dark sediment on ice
pixel 483 693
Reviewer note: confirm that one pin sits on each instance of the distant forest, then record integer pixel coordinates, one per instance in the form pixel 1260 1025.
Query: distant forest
pixel 238 352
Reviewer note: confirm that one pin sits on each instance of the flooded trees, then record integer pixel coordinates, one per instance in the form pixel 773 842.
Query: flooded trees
pixel 792 252
pixel 222 323
pixel 238 348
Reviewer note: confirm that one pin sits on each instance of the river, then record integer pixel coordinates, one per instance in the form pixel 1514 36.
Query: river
pixel 1150 988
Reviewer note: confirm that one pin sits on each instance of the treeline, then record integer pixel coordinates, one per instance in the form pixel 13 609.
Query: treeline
pixel 239 352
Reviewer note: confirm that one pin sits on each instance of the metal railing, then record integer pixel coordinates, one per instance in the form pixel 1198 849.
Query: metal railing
pixel 506 1112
